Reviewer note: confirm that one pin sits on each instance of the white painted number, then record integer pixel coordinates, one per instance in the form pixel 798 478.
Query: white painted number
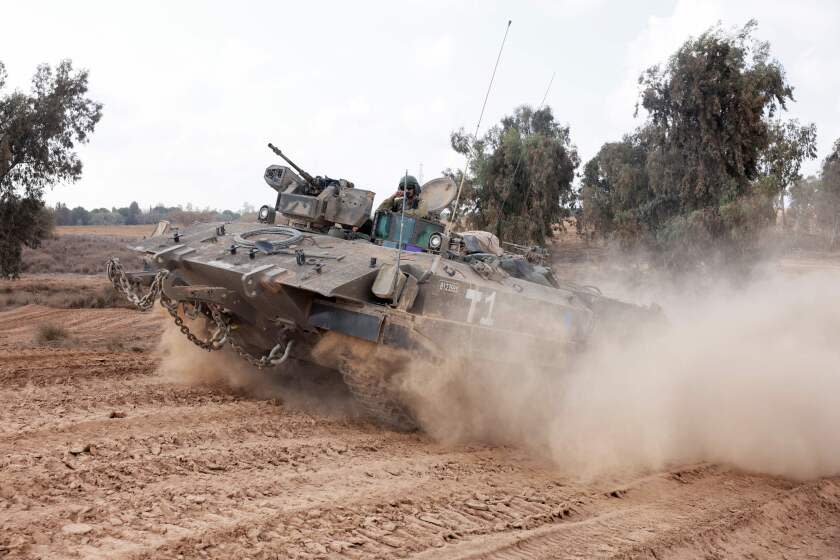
pixel 450 287
pixel 475 298
pixel 490 300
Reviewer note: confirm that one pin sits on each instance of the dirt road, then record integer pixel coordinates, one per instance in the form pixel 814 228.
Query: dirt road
pixel 103 456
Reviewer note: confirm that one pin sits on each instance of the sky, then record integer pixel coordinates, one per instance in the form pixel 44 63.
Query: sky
pixel 193 91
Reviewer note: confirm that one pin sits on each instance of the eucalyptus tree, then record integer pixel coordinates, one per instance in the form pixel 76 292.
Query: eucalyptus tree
pixel 39 132
pixel 520 176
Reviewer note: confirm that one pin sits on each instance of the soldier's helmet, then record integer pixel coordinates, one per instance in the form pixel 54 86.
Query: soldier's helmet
pixel 411 182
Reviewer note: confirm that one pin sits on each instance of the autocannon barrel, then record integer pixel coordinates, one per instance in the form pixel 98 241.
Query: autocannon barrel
pixel 306 176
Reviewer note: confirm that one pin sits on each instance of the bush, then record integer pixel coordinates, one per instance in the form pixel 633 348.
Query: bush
pixel 49 333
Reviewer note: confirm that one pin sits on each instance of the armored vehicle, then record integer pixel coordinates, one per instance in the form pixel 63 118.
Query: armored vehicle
pixel 320 279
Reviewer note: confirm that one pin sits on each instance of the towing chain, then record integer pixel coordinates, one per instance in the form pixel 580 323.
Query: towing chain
pixel 269 360
pixel 217 338
pixel 116 274
pixel 192 309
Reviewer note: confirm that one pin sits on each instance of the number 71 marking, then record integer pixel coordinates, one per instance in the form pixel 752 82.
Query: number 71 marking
pixel 475 298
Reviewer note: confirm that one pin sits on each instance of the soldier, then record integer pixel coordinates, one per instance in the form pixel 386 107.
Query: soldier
pixel 414 205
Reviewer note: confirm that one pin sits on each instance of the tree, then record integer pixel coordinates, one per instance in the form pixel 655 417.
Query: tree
pixel 815 201
pixel 228 215
pixel 789 145
pixel 105 217
pixel 615 189
pixel 62 214
pixel 708 112
pixel 828 196
pixel 691 178
pixel 38 135
pixel 79 216
pixel 23 221
pixel 521 175
pixel 134 214
pixel 803 202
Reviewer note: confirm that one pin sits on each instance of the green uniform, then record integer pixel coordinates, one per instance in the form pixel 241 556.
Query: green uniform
pixel 415 208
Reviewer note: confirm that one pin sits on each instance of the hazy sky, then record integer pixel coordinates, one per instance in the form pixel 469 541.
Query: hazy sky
pixel 193 91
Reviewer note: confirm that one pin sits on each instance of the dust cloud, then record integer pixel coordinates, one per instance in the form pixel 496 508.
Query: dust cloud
pixel 303 388
pixel 182 361
pixel 745 376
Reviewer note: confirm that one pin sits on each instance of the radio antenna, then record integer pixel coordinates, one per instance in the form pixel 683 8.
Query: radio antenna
pixel 396 283
pixel 475 135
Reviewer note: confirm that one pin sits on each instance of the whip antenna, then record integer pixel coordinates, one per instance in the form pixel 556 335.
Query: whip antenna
pixel 402 225
pixel 542 103
pixel 477 126
pixel 547 89
pixel 530 184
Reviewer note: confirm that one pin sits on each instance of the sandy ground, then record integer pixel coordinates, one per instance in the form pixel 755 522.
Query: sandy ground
pixel 103 456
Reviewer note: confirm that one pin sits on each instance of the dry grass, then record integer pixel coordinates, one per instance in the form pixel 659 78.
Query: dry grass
pixel 144 230
pixel 79 254
pixel 49 333
pixel 66 291
pixel 68 271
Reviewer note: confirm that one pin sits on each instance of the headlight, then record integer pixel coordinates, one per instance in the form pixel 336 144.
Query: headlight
pixel 435 241
pixel 264 215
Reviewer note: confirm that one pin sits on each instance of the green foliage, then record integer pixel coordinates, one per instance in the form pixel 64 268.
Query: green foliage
pixel 701 173
pixel 23 221
pixel 803 195
pixel 706 114
pixel 815 202
pixel 615 189
pixel 133 214
pixel 520 175
pixel 789 145
pixel 62 214
pixel 38 135
pixel 830 188
pixel 79 216
pixel 105 217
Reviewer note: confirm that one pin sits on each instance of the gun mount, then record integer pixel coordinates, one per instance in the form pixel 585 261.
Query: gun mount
pixel 314 203
pixel 307 177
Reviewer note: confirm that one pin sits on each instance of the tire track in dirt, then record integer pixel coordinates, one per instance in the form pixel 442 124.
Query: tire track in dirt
pixel 84 328
pixel 201 470
pixel 798 522
pixel 664 520
pixel 67 367
pixel 82 400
